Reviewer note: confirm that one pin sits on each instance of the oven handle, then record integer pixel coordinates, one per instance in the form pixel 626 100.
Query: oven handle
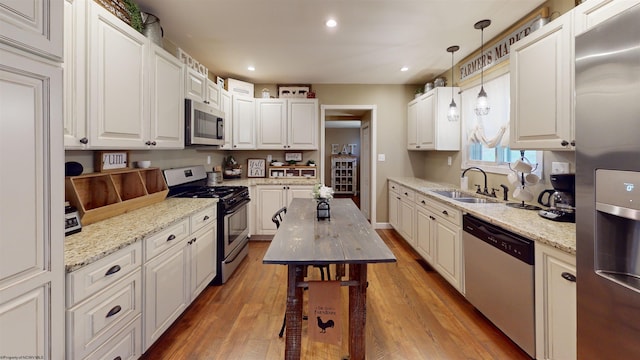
pixel 236 208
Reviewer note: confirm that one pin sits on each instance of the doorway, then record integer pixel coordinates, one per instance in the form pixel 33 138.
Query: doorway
pixel 361 119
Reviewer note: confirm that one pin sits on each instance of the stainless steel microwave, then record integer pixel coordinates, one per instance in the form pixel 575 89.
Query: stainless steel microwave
pixel 204 124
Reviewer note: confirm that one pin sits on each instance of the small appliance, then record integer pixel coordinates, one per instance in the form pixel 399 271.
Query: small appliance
pixel 204 124
pixel 72 223
pixel 560 199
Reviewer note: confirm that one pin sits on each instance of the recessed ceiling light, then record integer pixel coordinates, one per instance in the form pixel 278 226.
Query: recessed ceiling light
pixel 404 68
pixel 251 68
pixel 331 23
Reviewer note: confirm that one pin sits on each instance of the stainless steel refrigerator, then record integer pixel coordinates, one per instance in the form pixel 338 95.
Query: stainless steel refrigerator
pixel 607 99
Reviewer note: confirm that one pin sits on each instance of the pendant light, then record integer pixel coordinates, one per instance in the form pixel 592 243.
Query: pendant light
pixel 453 114
pixel 482 103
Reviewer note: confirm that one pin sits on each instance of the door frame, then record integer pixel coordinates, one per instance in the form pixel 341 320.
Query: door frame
pixel 372 181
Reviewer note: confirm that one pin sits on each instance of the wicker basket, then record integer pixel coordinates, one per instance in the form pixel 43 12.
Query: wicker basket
pixel 117 8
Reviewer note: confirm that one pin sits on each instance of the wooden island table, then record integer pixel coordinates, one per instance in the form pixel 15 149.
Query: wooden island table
pixel 347 238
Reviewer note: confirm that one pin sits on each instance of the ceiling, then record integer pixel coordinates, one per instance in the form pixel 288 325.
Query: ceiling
pixel 287 42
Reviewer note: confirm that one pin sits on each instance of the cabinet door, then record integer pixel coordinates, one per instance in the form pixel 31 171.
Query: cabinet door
pixel 74 66
pixel 303 124
pixel 298 192
pixel 591 13
pixel 271 123
pixel 213 94
pixel 243 123
pixel 31 231
pixel 227 107
pixel 195 85
pixel 203 259
pixel 167 99
pixel 556 323
pixel 448 255
pixel 394 204
pixel 425 123
pixel 167 291
pixel 119 100
pixel 270 199
pixel 34 26
pixel 424 230
pixel 412 125
pixel 406 221
pixel 541 69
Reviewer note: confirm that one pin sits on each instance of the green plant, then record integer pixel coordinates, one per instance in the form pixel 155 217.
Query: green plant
pixel 311 162
pixel 134 13
pixel 418 91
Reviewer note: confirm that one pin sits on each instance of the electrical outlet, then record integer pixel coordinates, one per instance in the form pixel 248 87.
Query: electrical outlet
pixel 381 157
pixel 208 159
pixel 559 167
pixel 449 160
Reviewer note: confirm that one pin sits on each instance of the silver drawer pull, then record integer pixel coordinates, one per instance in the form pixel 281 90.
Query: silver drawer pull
pixel 569 277
pixel 112 270
pixel 116 309
pixel 171 237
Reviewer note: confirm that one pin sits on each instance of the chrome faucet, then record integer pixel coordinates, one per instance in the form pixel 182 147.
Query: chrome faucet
pixel 486 189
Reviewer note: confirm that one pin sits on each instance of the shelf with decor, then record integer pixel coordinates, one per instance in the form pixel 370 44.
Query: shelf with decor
pixel 293 171
pixel 99 196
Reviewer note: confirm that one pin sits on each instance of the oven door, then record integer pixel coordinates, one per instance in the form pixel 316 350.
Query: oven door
pixel 236 227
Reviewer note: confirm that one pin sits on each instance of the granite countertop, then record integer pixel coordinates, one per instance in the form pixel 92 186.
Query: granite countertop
pixel 100 239
pixel 523 222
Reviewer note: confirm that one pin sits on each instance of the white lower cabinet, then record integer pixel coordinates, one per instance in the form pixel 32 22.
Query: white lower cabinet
pixel 556 325
pixel 270 198
pixel 424 231
pixel 394 204
pixel 104 299
pixel 406 215
pixel 178 272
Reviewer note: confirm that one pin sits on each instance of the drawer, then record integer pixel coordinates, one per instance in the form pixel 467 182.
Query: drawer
pixel 407 194
pixel 125 345
pixel 423 201
pixel 446 212
pixel 94 277
pixel 164 239
pixel 202 218
pixel 394 187
pixel 95 320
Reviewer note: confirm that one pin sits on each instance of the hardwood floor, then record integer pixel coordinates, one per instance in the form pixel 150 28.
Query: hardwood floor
pixel 412 313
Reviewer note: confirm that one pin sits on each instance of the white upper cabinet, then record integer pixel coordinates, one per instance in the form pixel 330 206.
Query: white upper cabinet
pixel 427 125
pixel 34 26
pixel 196 85
pixel 226 106
pixel 593 12
pixel 166 128
pixel 118 98
pixel 244 115
pixel 74 66
pixel 213 94
pixel 541 67
pixel 287 124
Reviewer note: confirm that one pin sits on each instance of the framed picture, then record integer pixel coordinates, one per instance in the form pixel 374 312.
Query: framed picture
pixel 256 168
pixel 110 160
pixel 292 156
pixel 293 91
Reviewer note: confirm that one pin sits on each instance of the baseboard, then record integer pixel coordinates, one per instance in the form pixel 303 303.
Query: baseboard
pixel 382 225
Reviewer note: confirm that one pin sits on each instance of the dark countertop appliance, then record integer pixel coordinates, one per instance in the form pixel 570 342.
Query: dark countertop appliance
pixel 560 199
pixel 232 214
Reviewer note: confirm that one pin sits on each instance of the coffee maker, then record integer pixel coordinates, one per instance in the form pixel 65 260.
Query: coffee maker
pixel 560 200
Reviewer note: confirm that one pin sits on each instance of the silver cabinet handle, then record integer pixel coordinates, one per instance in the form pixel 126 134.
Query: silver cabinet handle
pixel 568 276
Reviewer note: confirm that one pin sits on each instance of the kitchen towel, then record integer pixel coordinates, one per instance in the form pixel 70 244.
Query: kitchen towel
pixel 325 320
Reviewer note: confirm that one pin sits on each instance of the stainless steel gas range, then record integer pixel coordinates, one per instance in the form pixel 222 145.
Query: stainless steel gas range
pixel 232 222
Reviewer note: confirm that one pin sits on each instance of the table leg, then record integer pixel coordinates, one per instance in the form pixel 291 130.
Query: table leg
pixel 293 337
pixel 357 311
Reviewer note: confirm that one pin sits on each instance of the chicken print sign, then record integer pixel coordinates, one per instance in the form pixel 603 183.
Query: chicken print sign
pixel 324 307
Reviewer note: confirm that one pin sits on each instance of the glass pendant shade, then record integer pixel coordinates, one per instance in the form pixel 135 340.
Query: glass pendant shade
pixel 453 114
pixel 482 103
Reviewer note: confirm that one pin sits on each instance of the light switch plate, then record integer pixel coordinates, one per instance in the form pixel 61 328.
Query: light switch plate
pixel 381 157
pixel 559 167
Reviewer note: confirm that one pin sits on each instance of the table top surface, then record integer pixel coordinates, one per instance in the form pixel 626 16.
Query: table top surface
pixel 347 238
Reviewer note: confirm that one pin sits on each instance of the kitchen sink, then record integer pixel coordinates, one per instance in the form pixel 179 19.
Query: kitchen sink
pixel 465 197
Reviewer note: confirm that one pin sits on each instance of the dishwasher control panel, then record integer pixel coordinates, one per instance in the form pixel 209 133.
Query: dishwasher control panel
pixel 511 243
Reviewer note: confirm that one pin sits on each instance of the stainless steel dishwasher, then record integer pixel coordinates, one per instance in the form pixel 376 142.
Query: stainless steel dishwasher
pixel 499 279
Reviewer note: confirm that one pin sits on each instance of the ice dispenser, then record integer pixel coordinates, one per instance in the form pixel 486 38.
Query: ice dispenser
pixel 618 227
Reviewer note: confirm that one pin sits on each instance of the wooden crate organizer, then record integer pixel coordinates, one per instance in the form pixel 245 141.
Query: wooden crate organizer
pixel 99 196
pixel 292 171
